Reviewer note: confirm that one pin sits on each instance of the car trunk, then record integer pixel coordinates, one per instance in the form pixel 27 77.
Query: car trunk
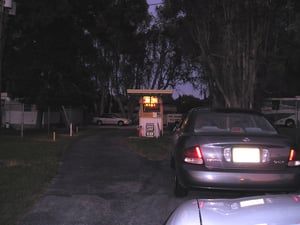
pixel 244 152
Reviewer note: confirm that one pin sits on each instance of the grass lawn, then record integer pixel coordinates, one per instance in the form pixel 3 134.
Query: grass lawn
pixel 26 165
pixel 151 148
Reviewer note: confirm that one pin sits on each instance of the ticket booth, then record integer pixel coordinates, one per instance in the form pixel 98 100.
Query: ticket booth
pixel 150 111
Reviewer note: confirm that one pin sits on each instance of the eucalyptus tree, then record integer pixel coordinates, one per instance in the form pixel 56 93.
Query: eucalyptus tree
pixel 165 64
pixel 118 37
pixel 230 40
pixel 128 20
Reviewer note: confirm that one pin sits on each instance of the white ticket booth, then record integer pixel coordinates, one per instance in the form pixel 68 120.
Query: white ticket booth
pixel 150 111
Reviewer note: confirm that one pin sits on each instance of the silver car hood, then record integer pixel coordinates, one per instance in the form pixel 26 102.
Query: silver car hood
pixel 256 210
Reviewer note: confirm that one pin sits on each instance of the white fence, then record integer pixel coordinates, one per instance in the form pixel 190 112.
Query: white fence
pixel 19 115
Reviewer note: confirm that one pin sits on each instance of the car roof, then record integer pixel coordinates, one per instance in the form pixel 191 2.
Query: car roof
pixel 227 110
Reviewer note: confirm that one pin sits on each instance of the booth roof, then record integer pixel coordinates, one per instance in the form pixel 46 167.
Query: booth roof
pixel 149 91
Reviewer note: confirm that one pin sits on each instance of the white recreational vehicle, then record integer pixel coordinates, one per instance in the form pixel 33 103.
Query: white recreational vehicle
pixel 282 111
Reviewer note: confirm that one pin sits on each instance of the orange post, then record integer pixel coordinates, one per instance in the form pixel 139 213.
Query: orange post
pixel 54 136
pixel 140 132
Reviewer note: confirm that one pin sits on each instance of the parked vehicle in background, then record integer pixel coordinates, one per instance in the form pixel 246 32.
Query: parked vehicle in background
pixel 232 149
pixel 172 119
pixel 282 111
pixel 281 209
pixel 112 119
pixel 282 119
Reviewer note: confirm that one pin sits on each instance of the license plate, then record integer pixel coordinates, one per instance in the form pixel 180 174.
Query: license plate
pixel 252 202
pixel 246 155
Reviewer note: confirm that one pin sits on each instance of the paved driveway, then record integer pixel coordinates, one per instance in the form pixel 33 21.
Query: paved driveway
pixel 102 182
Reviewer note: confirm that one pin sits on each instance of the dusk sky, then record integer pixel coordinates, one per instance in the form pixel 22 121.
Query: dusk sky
pixel 186 89
pixel 152 4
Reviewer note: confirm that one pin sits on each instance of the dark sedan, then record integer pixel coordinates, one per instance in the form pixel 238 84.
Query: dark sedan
pixel 263 210
pixel 233 149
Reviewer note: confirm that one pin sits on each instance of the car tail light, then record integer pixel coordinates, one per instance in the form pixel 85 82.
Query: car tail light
pixel 292 157
pixel 200 204
pixel 193 155
pixel 296 198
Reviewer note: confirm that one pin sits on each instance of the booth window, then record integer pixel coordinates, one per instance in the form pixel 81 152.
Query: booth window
pixel 150 104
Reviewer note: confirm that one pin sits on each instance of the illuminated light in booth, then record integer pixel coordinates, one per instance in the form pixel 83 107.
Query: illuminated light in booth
pixel 150 101
pixel 150 104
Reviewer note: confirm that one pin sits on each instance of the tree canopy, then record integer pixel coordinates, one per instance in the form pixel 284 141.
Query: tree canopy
pixel 89 53
pixel 237 43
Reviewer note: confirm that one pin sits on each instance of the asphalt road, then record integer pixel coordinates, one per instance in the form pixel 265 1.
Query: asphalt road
pixel 101 182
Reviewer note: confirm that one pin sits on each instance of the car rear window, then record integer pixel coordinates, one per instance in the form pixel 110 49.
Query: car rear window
pixel 214 122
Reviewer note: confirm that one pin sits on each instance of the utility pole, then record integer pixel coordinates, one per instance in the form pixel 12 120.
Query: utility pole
pixel 7 7
pixel 1 54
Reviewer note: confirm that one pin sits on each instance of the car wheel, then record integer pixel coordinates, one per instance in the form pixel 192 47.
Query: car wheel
pixel 99 122
pixel 290 123
pixel 179 190
pixel 120 123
